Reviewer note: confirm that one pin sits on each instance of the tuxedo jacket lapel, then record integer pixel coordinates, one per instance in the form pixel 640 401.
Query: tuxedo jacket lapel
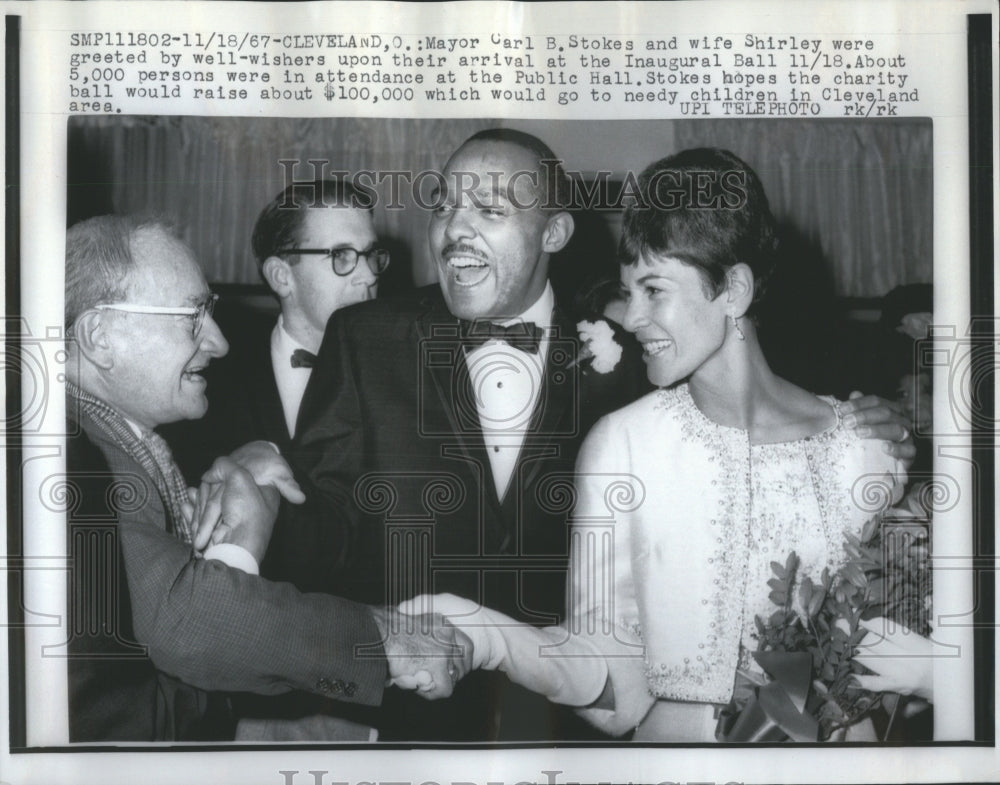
pixel 555 416
pixel 442 369
pixel 267 402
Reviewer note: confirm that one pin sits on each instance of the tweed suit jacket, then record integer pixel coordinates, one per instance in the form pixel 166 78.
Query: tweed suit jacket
pixel 156 628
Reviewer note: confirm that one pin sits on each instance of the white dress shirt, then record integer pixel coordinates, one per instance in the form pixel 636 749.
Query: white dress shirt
pixel 291 381
pixel 506 384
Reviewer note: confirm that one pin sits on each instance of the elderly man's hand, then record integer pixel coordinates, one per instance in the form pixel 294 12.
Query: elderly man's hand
pixel 232 508
pixel 264 462
pixel 876 418
pixel 426 653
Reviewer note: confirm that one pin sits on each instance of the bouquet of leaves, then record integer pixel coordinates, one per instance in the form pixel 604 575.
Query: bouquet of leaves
pixel 814 631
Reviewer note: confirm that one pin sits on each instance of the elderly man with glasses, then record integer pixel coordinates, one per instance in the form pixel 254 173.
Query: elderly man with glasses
pixel 167 609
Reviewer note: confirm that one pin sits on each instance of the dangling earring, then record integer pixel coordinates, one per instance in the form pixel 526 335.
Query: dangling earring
pixel 736 326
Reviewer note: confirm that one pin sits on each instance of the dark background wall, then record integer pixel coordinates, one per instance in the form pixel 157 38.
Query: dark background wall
pixel 859 192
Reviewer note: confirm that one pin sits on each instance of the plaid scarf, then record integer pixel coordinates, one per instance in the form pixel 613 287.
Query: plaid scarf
pixel 151 453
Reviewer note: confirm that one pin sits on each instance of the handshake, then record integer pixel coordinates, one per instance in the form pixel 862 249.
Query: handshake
pixel 425 651
pixel 237 504
pixel 465 636
pixel 431 641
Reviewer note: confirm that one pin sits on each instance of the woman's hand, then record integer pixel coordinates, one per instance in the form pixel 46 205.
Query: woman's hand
pixel 464 614
pixel 425 652
pixel 564 668
pixel 901 659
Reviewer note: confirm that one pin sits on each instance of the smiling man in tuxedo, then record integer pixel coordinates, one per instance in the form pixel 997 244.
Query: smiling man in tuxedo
pixel 464 403
pixel 439 431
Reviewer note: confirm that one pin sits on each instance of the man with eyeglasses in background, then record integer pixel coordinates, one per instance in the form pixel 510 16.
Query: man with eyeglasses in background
pixel 167 609
pixel 315 247
pixel 317 250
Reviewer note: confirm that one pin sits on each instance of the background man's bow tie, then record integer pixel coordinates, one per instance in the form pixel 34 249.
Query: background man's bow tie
pixel 301 358
pixel 521 335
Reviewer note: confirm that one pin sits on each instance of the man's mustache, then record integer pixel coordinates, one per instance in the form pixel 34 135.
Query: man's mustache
pixel 462 249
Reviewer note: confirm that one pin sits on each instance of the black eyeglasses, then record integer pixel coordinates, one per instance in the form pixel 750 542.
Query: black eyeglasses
pixel 195 313
pixel 345 260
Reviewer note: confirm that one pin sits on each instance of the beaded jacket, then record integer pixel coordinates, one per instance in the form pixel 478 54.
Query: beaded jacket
pixel 677 522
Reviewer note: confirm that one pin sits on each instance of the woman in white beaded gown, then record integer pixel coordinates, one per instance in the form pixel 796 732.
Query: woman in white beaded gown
pixel 685 496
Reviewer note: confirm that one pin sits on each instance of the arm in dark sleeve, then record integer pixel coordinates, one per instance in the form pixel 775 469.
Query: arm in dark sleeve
pixel 315 541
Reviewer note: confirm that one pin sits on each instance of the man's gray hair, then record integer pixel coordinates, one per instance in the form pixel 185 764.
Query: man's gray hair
pixel 99 260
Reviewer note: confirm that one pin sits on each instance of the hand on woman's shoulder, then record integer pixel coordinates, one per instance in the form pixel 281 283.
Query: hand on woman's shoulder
pixel 793 413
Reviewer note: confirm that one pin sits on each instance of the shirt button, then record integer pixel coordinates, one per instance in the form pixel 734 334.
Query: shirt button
pixel 496 449
pixel 499 385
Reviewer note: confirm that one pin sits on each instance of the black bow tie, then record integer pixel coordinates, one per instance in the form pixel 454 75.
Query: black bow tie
pixel 521 335
pixel 301 358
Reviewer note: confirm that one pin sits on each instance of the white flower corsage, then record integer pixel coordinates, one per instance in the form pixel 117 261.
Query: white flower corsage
pixel 916 325
pixel 599 345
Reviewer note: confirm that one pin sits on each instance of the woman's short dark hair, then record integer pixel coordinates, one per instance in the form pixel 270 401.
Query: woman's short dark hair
pixel 704 207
